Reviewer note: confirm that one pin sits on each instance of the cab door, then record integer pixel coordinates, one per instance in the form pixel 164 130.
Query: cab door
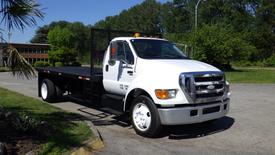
pixel 118 70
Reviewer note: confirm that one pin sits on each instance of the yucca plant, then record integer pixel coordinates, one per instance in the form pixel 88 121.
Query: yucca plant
pixel 18 65
pixel 19 14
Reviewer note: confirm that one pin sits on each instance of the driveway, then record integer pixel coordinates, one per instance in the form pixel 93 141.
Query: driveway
pixel 249 127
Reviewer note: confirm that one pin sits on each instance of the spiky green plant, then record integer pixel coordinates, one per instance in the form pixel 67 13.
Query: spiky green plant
pixel 18 65
pixel 19 14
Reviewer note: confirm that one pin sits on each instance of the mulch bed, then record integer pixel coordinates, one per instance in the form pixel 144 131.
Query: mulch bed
pixel 17 142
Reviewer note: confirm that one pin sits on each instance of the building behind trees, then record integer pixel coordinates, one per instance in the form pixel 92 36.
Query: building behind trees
pixel 31 52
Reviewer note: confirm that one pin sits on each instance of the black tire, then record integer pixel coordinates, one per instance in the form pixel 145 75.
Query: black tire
pixel 51 94
pixel 155 126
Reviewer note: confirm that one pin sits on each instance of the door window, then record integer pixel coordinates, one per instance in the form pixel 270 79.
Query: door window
pixel 121 51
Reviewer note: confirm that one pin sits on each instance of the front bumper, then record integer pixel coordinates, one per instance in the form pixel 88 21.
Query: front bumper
pixel 193 114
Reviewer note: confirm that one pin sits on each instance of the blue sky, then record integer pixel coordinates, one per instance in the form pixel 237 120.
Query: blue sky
pixel 86 11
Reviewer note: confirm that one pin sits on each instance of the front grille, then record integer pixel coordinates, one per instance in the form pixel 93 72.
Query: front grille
pixel 205 79
pixel 203 86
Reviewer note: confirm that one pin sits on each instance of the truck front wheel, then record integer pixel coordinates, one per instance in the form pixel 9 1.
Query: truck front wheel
pixel 48 91
pixel 144 117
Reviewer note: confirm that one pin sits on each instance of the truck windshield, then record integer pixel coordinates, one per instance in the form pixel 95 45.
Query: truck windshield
pixel 157 49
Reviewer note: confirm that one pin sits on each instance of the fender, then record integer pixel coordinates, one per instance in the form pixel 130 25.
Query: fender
pixel 148 82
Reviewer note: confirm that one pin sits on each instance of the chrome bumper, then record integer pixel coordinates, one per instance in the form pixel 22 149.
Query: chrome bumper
pixel 193 114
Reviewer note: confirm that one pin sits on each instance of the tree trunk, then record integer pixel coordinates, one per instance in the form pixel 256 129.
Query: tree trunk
pixel 1 57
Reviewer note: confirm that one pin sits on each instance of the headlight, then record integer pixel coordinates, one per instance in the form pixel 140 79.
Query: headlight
pixel 165 93
pixel 227 88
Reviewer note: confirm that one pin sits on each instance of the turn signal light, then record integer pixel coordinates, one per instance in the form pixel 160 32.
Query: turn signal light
pixel 165 94
pixel 161 94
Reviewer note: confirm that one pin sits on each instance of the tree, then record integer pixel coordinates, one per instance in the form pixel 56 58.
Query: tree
pixel 143 17
pixel 41 34
pixel 218 45
pixel 177 17
pixel 19 14
pixel 252 21
pixel 62 48
pixel 263 35
pixel 60 37
pixel 80 35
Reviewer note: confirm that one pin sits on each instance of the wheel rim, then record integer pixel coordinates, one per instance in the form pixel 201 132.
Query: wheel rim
pixel 44 91
pixel 141 116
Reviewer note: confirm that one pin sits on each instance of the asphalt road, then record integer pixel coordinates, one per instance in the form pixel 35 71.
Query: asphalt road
pixel 249 127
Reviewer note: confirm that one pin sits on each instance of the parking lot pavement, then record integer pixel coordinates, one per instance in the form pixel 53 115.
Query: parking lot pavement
pixel 249 127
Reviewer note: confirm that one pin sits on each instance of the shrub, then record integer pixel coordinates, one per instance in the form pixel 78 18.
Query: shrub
pixel 270 62
pixel 58 64
pixel 76 63
pixel 243 63
pixel 41 64
pixel 65 55
pixel 259 63
pixel 4 69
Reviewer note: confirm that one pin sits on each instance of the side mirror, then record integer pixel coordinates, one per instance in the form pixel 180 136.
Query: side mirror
pixel 112 62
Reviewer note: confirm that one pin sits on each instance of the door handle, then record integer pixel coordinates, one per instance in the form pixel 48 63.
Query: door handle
pixel 130 72
pixel 107 68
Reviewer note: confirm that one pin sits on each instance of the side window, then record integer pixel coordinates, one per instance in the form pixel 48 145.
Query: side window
pixel 129 57
pixel 120 50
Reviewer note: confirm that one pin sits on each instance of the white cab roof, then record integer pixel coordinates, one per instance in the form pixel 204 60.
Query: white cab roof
pixel 130 38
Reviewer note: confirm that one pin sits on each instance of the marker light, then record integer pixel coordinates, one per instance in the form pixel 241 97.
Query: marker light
pixel 137 34
pixel 165 93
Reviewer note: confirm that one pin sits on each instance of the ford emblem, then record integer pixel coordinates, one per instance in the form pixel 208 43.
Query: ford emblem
pixel 210 87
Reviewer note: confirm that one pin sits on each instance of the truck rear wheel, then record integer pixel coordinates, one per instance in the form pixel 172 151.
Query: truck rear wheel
pixel 144 117
pixel 48 91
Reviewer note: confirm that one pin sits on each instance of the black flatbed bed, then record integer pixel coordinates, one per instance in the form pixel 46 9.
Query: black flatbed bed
pixel 73 72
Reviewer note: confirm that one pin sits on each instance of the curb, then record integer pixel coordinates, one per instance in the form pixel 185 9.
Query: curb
pixel 94 130
pixel 91 145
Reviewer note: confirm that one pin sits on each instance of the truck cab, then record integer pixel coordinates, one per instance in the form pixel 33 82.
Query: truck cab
pixel 160 85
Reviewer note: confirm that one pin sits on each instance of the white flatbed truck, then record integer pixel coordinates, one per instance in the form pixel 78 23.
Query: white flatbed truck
pixel 148 78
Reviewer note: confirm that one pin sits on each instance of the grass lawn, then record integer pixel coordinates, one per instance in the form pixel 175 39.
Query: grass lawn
pixel 4 69
pixel 251 75
pixel 66 130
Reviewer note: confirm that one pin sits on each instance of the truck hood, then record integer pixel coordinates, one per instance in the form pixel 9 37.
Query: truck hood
pixel 178 66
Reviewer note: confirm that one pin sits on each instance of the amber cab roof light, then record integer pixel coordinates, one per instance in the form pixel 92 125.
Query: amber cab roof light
pixel 136 35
